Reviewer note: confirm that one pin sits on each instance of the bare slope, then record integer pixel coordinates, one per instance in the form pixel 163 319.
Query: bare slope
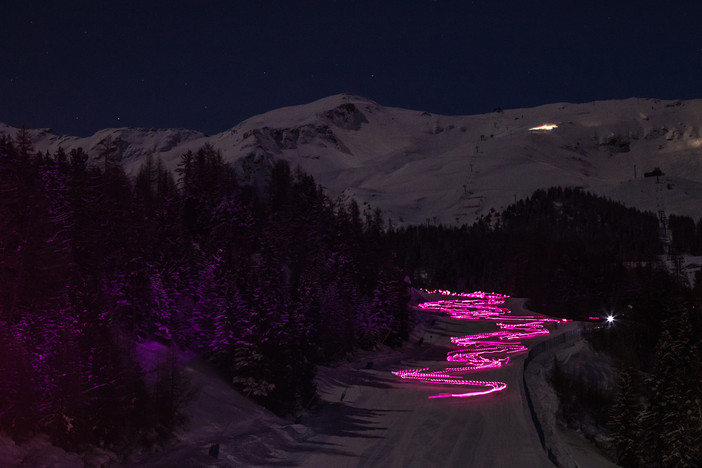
pixel 421 167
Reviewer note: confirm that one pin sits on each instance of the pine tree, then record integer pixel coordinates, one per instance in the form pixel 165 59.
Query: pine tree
pixel 650 444
pixel 210 303
pixel 683 420
pixel 624 419
pixel 19 401
pixel 23 143
pixel 670 425
pixel 109 153
pixel 164 311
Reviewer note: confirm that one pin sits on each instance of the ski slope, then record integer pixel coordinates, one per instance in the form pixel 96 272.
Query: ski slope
pixel 384 421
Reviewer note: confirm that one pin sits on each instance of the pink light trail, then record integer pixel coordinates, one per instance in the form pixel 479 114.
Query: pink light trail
pixel 479 351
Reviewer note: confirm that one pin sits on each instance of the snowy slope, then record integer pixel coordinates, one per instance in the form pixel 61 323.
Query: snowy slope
pixel 421 167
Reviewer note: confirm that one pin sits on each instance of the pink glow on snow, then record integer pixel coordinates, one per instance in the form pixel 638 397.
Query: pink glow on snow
pixel 479 351
pixel 475 294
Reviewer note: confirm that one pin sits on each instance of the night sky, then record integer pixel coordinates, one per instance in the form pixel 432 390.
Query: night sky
pixel 80 66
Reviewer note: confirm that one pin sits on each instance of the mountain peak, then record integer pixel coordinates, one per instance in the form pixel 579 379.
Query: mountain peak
pixel 309 113
pixel 419 167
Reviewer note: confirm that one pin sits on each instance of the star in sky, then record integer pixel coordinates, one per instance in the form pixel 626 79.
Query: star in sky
pixel 446 57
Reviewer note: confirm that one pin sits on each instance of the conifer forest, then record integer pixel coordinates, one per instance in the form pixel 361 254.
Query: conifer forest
pixel 269 281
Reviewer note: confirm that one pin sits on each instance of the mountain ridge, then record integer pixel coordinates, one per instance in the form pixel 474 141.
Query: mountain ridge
pixel 421 167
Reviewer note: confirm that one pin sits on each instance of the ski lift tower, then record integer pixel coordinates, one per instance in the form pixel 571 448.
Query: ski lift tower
pixel 657 173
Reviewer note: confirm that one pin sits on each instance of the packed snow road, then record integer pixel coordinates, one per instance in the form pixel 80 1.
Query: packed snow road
pixel 375 418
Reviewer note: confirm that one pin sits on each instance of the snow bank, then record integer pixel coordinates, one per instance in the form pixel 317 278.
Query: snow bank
pixel 571 449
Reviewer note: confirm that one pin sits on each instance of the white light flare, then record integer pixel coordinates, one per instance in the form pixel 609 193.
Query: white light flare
pixel 544 127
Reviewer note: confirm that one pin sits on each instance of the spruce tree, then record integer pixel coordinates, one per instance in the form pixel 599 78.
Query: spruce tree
pixel 623 420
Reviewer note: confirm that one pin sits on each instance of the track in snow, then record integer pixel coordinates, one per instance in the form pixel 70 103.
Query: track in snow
pixel 480 351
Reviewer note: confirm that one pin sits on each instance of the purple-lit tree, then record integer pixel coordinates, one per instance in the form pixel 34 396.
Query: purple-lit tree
pixel 266 282
pixel 209 314
pixel 19 402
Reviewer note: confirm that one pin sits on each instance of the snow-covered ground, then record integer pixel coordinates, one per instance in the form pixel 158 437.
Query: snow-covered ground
pixel 395 424
pixel 40 453
pixel 571 448
pixel 247 434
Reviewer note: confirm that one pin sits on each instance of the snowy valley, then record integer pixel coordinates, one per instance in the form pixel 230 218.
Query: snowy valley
pixel 259 324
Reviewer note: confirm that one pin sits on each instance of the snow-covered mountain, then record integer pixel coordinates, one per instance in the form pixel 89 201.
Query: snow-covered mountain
pixel 419 167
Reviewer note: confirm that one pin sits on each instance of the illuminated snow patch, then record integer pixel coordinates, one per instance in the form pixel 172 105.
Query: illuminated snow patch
pixel 544 127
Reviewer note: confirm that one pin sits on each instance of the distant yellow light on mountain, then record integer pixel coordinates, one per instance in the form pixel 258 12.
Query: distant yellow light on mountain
pixel 545 127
